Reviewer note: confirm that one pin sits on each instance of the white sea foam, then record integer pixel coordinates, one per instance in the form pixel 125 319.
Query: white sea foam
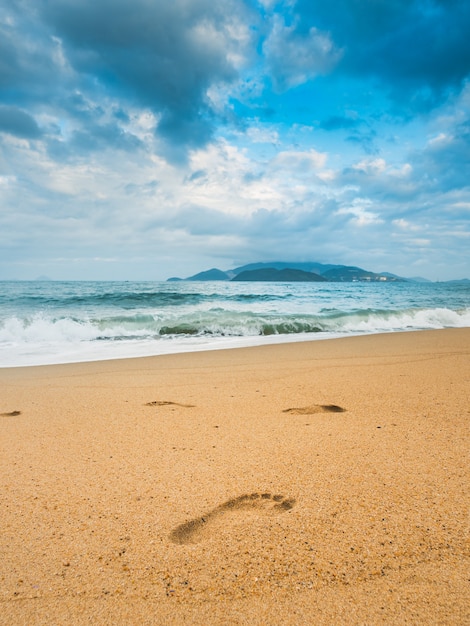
pixel 414 320
pixel 39 329
pixel 87 321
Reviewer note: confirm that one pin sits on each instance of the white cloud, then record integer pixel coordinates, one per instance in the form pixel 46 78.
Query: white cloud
pixel 59 56
pixel 327 176
pixel 420 242
pixel 371 166
pixel 300 161
pixel 440 140
pixel 403 224
pixel 461 205
pixel 361 216
pixel 262 134
pixel 401 172
pixel 225 179
pixel 294 58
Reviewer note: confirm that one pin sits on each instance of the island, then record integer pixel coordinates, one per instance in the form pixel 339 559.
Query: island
pixel 270 274
pixel 282 271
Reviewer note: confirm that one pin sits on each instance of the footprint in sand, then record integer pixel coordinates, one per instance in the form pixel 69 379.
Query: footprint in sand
pixel 315 408
pixel 168 403
pixel 203 527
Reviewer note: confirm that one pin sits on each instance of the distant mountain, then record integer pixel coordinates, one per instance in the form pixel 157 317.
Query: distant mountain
pixel 334 273
pixel 344 273
pixel 213 274
pixel 318 268
pixel 461 281
pixel 418 279
pixel 388 275
pixel 271 274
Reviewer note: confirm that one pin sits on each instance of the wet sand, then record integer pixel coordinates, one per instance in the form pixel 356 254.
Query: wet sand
pixel 305 483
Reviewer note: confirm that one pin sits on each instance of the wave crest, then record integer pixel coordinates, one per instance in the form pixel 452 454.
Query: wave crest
pixel 41 328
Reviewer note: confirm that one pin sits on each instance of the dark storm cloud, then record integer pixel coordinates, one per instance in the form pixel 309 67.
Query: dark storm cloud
pixel 29 68
pixel 17 122
pixel 419 49
pixel 163 55
pixel 99 137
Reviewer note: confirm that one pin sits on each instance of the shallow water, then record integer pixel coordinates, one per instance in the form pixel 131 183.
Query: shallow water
pixel 58 322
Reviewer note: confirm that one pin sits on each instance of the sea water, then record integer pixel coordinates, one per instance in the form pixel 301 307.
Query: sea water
pixel 59 322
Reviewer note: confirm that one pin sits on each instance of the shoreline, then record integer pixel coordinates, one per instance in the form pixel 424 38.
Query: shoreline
pixel 274 340
pixel 305 482
pixel 232 343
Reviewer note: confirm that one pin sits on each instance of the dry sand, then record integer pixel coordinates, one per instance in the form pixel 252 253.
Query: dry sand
pixel 309 483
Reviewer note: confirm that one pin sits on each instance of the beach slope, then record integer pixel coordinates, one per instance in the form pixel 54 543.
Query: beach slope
pixel 323 482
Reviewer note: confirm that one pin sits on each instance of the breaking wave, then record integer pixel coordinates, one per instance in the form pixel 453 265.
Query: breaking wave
pixel 40 327
pixel 93 322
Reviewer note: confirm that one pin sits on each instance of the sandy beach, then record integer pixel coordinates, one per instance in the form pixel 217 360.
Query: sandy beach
pixel 306 483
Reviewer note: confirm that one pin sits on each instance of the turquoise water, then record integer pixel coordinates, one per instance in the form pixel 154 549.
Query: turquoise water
pixel 57 322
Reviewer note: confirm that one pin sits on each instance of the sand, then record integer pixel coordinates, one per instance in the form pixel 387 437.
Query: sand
pixel 308 483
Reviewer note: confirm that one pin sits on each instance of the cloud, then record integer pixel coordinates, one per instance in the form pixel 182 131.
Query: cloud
pixel 163 55
pixel 405 225
pixel 300 162
pixel 177 59
pixel 149 134
pixel 445 162
pixel 360 212
pixel 33 70
pixel 293 58
pixel 199 220
pixel 19 123
pixel 419 50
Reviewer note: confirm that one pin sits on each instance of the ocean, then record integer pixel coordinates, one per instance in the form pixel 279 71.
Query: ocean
pixel 61 322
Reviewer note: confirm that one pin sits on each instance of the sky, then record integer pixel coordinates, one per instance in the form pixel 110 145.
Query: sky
pixel 143 139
